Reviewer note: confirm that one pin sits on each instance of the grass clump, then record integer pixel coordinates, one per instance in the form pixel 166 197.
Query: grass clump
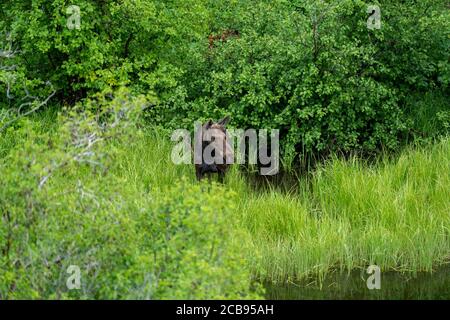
pixel 394 214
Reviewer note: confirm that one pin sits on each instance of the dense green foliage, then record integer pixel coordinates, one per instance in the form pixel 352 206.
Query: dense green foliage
pixel 310 68
pixel 314 70
pixel 118 43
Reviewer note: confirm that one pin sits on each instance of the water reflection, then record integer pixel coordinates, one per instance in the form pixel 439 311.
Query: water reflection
pixel 394 285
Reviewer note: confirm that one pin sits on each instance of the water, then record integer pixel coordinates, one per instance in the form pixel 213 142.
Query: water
pixel 394 285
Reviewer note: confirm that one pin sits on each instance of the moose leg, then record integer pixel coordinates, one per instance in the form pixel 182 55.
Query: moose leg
pixel 198 174
pixel 221 176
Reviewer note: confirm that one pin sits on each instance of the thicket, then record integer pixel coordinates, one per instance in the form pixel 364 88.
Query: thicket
pixel 310 68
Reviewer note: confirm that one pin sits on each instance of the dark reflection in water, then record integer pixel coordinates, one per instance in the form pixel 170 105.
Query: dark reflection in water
pixel 394 285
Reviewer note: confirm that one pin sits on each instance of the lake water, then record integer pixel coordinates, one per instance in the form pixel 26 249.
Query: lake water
pixel 394 285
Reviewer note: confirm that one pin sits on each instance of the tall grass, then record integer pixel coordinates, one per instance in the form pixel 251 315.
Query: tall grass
pixel 395 214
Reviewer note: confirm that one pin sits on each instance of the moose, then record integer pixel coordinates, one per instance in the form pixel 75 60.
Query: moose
pixel 212 152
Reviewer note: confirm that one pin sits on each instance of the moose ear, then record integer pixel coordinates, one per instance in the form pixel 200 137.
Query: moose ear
pixel 224 121
pixel 208 124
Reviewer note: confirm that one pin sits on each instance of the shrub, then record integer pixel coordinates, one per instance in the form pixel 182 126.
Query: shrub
pixel 314 70
pixel 117 43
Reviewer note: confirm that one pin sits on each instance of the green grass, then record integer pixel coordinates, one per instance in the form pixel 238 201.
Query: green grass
pixel 429 114
pixel 395 215
pixel 348 215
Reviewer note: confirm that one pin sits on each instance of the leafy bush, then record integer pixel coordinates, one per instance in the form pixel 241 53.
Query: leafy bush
pixel 118 43
pixel 61 205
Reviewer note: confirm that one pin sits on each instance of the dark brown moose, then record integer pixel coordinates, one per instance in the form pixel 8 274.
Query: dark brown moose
pixel 213 152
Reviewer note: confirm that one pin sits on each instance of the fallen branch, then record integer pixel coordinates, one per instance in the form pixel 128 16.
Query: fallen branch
pixel 39 105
